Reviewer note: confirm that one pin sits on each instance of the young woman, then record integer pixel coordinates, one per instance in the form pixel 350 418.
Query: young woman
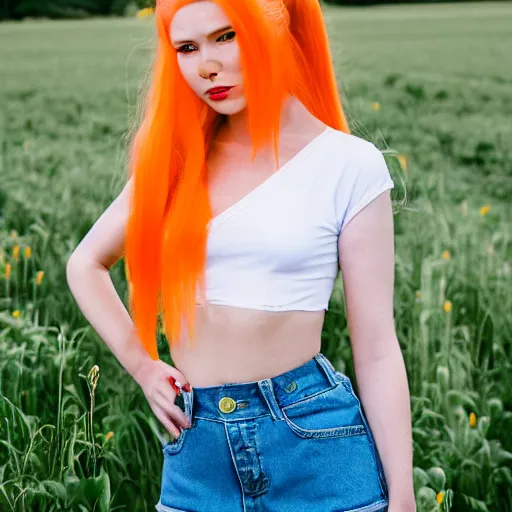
pixel 247 193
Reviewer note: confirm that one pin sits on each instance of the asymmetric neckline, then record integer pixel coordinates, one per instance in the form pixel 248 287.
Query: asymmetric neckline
pixel 302 153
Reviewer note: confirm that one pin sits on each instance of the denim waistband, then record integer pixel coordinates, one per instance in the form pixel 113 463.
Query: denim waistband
pixel 239 401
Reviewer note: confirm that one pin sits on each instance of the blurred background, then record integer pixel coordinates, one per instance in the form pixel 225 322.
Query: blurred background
pixel 429 83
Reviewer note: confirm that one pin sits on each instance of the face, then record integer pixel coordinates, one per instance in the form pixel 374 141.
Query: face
pixel 209 56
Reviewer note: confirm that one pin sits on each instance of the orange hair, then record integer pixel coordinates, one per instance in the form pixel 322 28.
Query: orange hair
pixel 284 50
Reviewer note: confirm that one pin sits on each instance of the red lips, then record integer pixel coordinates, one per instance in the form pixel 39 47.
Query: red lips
pixel 216 90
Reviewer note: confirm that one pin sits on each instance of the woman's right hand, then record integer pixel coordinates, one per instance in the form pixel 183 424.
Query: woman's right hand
pixel 153 378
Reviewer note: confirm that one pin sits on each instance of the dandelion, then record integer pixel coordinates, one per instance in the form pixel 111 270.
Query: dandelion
pixel 440 497
pixel 485 210
pixel 403 161
pixel 109 436
pixel 16 252
pixel 376 106
pixel 446 255
pixel 39 277
pixel 147 11
pixel 472 420
pixel 8 269
pixel 27 252
pixel 16 313
pixel 13 233
pixel 447 306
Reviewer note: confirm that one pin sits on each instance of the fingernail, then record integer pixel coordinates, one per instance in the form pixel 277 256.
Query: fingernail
pixel 177 390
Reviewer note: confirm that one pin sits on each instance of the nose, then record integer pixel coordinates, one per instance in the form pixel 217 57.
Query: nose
pixel 209 69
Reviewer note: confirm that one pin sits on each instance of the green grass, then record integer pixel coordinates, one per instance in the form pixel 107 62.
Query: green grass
pixel 68 92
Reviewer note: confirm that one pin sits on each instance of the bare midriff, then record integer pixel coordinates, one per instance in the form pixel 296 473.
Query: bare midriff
pixel 236 345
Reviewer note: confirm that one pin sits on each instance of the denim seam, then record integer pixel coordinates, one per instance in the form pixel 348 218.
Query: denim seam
pixel 310 397
pixel 374 507
pixel 226 420
pixel 235 466
pixel 341 431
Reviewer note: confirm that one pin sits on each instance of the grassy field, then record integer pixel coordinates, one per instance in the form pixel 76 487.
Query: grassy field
pixel 432 82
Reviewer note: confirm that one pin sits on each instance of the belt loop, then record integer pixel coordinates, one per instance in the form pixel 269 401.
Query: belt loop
pixel 327 367
pixel 267 391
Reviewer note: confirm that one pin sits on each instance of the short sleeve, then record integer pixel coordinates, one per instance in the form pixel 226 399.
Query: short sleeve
pixel 366 177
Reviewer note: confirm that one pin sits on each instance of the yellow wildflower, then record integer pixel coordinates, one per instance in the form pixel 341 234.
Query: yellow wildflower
pixel 13 233
pixel 472 419
pixel 376 106
pixel 109 435
pixel 147 11
pixel 403 161
pixel 485 209
pixel 39 277
pixel 446 255
pixel 7 271
pixel 27 252
pixel 439 497
pixel 16 313
pixel 447 306
pixel 16 252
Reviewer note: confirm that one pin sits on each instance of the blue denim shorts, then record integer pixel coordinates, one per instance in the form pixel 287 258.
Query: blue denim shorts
pixel 296 442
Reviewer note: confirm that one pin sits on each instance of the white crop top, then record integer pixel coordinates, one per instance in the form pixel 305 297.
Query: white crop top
pixel 276 249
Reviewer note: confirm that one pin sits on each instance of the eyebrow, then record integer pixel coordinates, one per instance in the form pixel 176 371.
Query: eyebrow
pixel 177 43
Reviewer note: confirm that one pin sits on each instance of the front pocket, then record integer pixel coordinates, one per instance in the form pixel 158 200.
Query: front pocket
pixel 333 413
pixel 174 446
pixel 184 402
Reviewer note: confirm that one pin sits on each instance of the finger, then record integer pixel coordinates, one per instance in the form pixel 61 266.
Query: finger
pixel 175 376
pixel 167 423
pixel 173 411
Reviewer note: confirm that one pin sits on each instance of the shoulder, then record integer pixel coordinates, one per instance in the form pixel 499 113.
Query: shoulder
pixel 351 146
pixel 347 159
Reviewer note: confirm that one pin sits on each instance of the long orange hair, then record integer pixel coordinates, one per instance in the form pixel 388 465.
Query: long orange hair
pixel 284 50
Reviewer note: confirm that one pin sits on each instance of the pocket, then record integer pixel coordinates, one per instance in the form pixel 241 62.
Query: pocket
pixel 334 412
pixel 378 461
pixel 175 445
pixel 184 401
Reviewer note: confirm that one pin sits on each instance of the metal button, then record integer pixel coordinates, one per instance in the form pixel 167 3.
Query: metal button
pixel 227 404
pixel 291 387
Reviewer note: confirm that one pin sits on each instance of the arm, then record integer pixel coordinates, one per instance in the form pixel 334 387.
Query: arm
pixel 87 273
pixel 88 277
pixel 366 257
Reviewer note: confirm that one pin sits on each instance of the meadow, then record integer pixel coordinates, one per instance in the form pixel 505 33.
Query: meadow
pixel 431 82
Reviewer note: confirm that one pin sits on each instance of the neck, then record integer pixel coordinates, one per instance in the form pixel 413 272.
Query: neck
pixel 293 114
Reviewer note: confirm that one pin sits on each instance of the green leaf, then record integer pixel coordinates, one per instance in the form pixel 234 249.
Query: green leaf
pixel 437 478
